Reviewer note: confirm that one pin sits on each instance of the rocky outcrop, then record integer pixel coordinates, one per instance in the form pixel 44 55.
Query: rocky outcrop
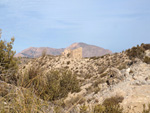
pixel 100 78
pixel 104 77
pixel 134 88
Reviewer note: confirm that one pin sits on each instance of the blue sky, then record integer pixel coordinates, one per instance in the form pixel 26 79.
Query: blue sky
pixel 112 24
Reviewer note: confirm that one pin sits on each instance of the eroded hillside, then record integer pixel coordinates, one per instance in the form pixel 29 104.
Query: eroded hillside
pixel 116 83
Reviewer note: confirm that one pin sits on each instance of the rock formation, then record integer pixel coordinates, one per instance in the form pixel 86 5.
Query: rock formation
pixel 112 76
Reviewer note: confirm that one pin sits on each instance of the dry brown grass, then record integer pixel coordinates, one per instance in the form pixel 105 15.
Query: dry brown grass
pixel 21 100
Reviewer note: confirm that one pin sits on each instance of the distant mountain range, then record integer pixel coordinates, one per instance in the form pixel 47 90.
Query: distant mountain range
pixel 88 51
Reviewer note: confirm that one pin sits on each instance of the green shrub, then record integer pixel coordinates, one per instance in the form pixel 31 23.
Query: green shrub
pixel 110 105
pixel 145 46
pixel 122 66
pixel 131 71
pixel 8 64
pixel 147 60
pixel 68 83
pixel 94 58
pixel 108 109
pixel 146 110
pixel 113 101
pixel 68 62
pixel 138 52
pixel 99 109
pixel 57 109
pixel 59 84
pixel 52 85
pixel 83 109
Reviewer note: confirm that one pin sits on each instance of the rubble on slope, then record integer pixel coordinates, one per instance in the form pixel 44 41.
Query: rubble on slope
pixel 100 78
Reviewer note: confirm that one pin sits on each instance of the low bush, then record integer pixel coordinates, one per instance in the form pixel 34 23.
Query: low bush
pixel 68 62
pixel 122 66
pixel 83 109
pixel 138 52
pixel 110 105
pixel 99 109
pixel 113 101
pixel 145 46
pixel 108 109
pixel 57 109
pixel 147 60
pixel 94 58
pixel 146 110
pixel 8 64
pixel 52 85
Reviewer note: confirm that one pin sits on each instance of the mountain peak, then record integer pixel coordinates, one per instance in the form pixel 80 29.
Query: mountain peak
pixel 74 45
pixel 88 50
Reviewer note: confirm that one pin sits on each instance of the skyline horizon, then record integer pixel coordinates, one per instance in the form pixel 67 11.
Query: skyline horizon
pixel 77 43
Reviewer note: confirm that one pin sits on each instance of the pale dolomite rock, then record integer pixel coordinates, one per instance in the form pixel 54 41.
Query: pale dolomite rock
pixel 74 97
pixel 132 83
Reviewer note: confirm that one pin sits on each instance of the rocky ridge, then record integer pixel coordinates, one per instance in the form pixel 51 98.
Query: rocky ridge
pixel 125 75
pixel 104 77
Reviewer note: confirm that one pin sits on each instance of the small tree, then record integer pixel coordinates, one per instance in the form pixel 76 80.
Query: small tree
pixel 8 64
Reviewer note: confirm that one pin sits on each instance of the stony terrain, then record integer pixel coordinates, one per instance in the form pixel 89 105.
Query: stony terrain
pixel 104 77
pixel 100 78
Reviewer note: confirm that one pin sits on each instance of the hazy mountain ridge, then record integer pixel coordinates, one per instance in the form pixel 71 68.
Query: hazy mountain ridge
pixel 37 51
pixel 88 50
